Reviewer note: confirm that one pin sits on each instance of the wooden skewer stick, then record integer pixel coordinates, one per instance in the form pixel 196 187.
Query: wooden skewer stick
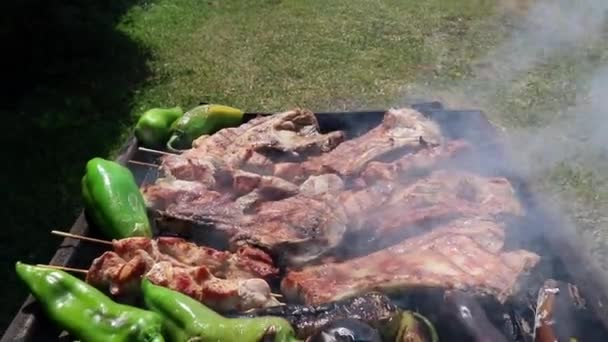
pixel 143 164
pixel 63 268
pixel 156 151
pixel 80 237
pixel 276 295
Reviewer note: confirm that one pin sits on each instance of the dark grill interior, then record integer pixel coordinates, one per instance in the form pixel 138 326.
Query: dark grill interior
pixel 561 258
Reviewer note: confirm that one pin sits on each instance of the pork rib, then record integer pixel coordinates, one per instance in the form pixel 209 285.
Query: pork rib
pixel 252 146
pixel 442 195
pixel 412 164
pixel 462 255
pixel 401 130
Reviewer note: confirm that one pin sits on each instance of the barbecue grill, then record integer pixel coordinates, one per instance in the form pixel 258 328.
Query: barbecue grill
pixel 564 254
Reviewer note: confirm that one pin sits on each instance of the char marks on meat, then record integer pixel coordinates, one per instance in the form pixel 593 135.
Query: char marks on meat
pixel 278 184
pixel 442 195
pixel 401 130
pixel 222 280
pixel 461 256
pixel 410 165
pixel 291 135
pixel 298 229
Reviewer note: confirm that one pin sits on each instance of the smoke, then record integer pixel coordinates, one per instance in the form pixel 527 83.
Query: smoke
pixel 565 42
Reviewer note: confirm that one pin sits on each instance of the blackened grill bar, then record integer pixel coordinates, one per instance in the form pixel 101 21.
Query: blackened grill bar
pixel 31 325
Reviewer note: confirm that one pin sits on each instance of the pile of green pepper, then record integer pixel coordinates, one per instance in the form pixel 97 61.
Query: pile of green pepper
pixel 170 127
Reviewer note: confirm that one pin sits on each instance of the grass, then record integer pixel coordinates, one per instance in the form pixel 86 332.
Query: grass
pixel 83 73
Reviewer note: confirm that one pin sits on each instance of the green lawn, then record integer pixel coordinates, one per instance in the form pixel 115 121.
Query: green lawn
pixel 256 55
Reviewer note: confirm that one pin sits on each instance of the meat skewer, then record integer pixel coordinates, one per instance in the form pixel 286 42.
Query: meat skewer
pixel 123 278
pixel 156 151
pixel 224 281
pixel 135 162
pixel 63 268
pixel 80 237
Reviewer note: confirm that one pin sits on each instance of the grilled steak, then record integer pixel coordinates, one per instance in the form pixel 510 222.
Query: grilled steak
pixel 372 308
pixel 254 146
pixel 401 130
pixel 461 255
pixel 443 195
pixel 413 164
pixel 297 230
pixel 306 226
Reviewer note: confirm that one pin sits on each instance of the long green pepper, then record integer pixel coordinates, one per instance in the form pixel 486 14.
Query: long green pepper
pixel 199 121
pixel 85 312
pixel 186 319
pixel 113 201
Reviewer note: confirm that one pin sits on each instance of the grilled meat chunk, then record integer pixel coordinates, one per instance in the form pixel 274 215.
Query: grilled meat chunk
pixel 166 192
pixel 373 308
pixel 253 146
pixel 222 280
pixel 401 130
pixel 247 262
pixel 412 164
pixel 328 184
pixel 460 256
pixel 443 195
pixel 306 226
pixel 297 230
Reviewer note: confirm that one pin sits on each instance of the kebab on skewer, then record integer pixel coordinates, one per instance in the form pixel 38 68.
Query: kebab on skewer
pixel 222 280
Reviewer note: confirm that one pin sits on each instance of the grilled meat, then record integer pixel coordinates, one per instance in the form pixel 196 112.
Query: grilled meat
pixel 443 195
pixel 328 184
pixel 167 192
pixel 297 230
pixel 460 255
pixel 223 280
pixel 401 130
pixel 413 164
pixel 373 308
pixel 123 277
pixel 247 262
pixel 253 146
pixel 306 226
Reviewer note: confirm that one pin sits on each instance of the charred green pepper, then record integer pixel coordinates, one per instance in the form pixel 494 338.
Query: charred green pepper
pixel 199 121
pixel 85 312
pixel 113 201
pixel 153 128
pixel 186 319
pixel 414 327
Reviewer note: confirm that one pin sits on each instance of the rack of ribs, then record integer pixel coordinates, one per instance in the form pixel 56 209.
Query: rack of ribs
pixel 465 254
pixel 401 130
pixel 225 281
pixel 254 146
pixel 310 224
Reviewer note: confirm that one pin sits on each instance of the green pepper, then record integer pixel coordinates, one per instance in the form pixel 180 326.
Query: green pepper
pixel 186 319
pixel 113 201
pixel 153 128
pixel 85 312
pixel 199 121
pixel 411 330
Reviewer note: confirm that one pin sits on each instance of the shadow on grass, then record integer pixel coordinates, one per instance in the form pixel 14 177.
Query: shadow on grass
pixel 69 77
